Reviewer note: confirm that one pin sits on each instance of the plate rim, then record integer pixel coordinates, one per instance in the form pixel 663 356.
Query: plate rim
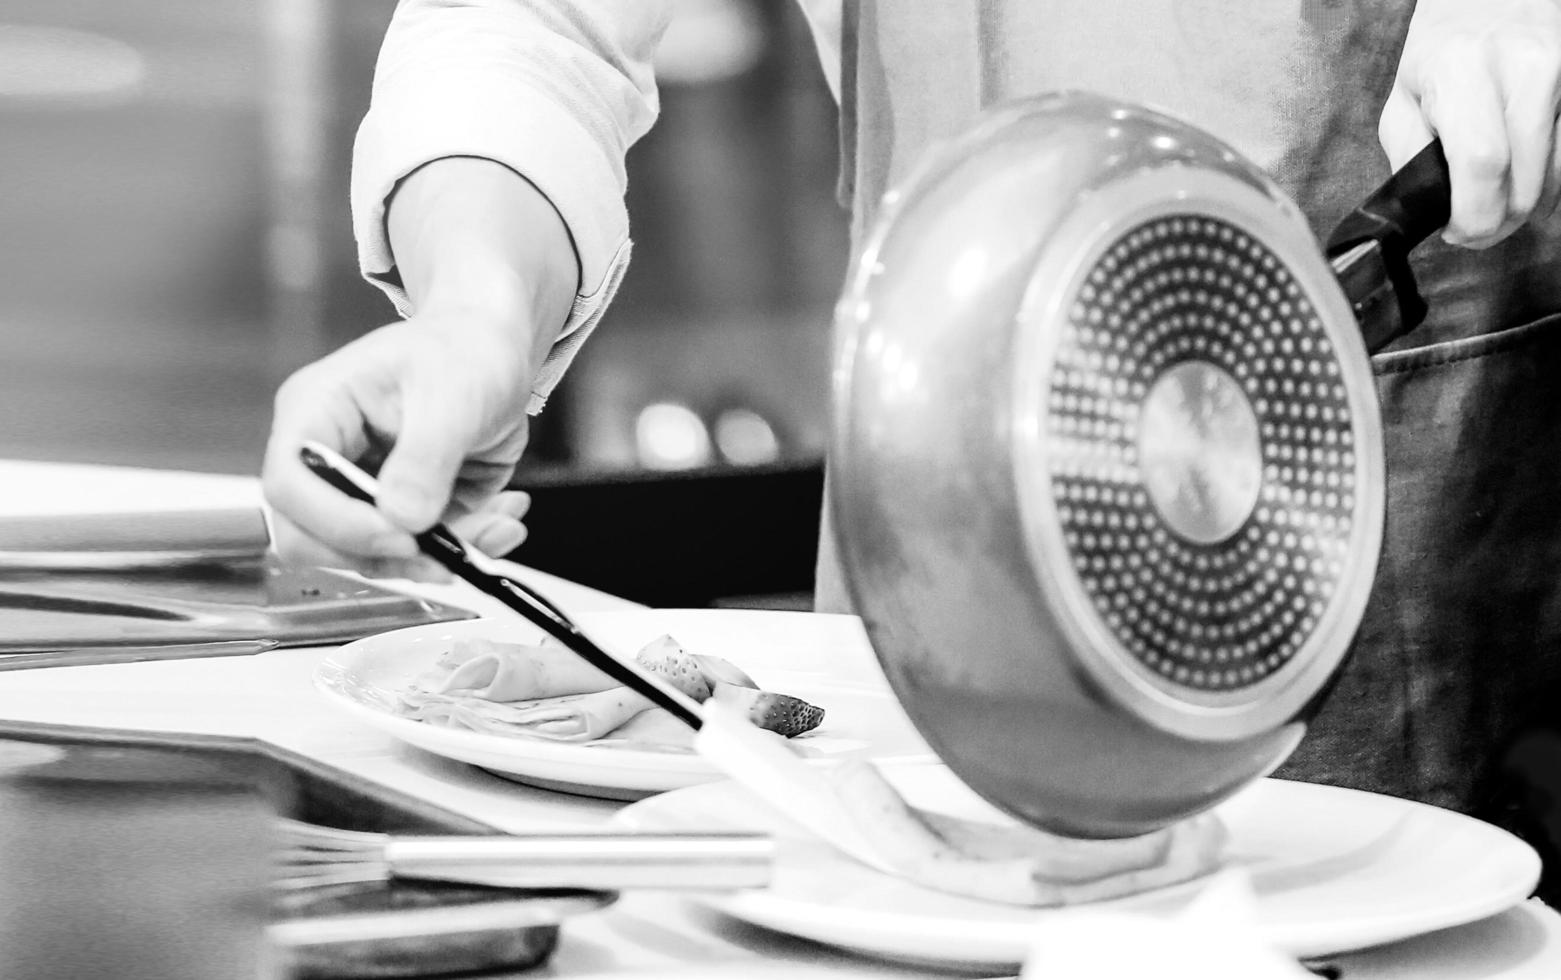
pixel 1004 943
pixel 635 770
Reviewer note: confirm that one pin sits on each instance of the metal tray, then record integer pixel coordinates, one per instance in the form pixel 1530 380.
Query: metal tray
pixel 195 603
pixel 398 929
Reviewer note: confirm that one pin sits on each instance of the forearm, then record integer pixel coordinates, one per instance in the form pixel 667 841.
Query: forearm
pixel 553 90
pixel 471 234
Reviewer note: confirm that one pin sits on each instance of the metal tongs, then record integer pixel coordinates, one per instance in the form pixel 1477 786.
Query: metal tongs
pixel 315 856
pixel 757 759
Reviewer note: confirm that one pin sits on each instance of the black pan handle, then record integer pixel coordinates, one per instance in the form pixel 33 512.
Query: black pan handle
pixel 1414 204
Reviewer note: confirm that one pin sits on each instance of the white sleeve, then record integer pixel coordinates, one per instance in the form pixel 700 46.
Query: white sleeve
pixel 555 90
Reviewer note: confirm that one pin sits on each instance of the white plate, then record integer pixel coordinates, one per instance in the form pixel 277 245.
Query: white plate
pixel 1334 870
pixel 825 660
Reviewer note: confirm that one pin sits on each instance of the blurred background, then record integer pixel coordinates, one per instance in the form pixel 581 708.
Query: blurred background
pixel 174 238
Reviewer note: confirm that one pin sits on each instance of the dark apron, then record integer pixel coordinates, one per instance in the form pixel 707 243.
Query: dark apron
pixel 1461 642
pixel 1459 656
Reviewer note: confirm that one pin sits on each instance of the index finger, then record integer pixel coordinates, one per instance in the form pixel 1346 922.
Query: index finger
pixel 320 510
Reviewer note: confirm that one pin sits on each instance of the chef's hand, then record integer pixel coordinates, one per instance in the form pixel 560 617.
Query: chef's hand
pixel 440 398
pixel 1485 76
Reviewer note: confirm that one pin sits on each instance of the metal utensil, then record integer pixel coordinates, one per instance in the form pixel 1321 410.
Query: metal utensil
pixel 312 856
pixel 529 922
pixel 147 539
pixel 299 606
pixel 89 656
pixel 1107 473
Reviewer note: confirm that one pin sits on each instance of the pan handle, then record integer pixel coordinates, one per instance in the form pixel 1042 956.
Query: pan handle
pixel 1370 248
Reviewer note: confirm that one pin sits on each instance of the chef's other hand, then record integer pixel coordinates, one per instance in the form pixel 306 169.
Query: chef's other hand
pixel 1485 76
pixel 436 404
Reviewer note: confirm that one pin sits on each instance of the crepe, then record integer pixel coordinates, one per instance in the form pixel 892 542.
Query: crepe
pixel 1015 864
pixel 513 671
pixel 655 730
pixel 544 690
pixel 570 718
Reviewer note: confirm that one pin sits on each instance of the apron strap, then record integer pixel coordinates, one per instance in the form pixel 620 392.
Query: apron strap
pixel 845 185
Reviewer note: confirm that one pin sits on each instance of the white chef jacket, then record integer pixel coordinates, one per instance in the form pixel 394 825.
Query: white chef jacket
pixel 557 92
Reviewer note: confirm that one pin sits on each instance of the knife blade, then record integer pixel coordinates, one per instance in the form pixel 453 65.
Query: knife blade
pixel 92 656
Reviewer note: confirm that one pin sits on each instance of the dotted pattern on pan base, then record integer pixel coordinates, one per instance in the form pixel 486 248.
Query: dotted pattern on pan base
pixel 1221 616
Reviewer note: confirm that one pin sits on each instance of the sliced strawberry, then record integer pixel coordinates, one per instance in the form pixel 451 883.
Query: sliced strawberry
pixel 666 657
pixel 719 670
pixel 769 709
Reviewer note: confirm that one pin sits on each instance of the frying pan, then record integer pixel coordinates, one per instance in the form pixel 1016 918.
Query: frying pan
pixel 1107 477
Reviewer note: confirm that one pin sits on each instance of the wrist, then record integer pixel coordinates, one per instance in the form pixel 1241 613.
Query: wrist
pixel 472 238
pixel 472 282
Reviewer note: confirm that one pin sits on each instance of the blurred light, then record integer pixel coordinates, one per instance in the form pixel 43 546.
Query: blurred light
pixel 746 438
pixel 59 65
pixel 669 436
pixel 708 41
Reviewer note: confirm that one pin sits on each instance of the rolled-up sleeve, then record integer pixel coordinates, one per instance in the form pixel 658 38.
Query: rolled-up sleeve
pixel 556 91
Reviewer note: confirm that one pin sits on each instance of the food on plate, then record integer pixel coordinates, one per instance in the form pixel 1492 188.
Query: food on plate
pixel 568 718
pixel 665 658
pixel 772 710
pixel 720 670
pixel 514 671
pixel 543 690
pixel 1016 864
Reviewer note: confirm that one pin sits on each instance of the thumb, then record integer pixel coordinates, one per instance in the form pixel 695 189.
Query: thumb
pixel 419 473
pixel 1402 129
